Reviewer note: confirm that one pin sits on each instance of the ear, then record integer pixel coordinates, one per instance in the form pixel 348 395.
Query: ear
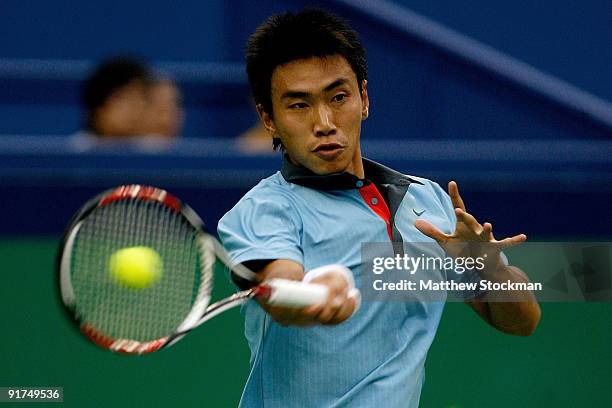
pixel 266 119
pixel 365 102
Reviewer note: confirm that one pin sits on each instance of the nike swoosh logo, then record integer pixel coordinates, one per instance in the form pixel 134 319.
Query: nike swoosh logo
pixel 418 214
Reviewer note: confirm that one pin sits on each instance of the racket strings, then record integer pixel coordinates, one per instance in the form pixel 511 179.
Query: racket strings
pixel 120 312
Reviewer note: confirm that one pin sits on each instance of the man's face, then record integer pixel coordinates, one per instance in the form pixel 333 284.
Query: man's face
pixel 317 113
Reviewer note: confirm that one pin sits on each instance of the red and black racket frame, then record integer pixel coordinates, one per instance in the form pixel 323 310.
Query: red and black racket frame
pixel 125 192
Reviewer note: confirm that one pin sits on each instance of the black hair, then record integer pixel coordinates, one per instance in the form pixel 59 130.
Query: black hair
pixel 109 76
pixel 287 37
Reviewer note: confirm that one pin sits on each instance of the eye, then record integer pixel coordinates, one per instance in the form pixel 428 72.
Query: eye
pixel 339 97
pixel 298 105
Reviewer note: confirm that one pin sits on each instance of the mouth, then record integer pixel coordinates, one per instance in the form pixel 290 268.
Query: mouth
pixel 328 151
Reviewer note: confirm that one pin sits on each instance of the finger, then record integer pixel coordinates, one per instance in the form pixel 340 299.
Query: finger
pixel 431 231
pixel 469 220
pixel 313 310
pixel 328 312
pixel 487 232
pixel 307 316
pixel 453 192
pixel 512 241
pixel 344 312
pixel 334 303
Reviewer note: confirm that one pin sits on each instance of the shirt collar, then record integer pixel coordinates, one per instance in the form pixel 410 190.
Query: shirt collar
pixel 374 172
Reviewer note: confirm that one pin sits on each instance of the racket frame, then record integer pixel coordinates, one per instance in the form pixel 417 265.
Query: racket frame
pixel 207 250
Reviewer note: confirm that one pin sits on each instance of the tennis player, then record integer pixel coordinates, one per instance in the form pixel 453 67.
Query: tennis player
pixel 306 222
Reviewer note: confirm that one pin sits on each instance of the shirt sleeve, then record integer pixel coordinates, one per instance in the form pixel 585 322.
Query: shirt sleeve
pixel 262 227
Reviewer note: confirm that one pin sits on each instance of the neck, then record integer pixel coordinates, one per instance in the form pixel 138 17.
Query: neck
pixel 356 166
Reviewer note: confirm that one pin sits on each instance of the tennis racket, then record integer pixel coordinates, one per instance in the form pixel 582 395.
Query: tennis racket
pixel 140 321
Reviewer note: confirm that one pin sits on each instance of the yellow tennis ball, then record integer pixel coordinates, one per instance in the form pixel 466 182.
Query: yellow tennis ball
pixel 136 267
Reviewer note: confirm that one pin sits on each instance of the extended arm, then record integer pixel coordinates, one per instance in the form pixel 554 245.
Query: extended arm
pixel 519 313
pixel 337 309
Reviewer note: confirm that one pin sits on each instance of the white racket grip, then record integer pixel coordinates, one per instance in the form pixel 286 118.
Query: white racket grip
pixel 291 293
pixel 346 272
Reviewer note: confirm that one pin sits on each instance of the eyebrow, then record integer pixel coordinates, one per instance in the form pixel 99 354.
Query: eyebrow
pixel 300 94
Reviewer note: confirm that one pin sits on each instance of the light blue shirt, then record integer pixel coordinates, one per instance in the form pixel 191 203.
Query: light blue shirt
pixel 374 359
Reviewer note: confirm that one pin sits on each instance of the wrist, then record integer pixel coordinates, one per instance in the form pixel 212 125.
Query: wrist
pixel 496 269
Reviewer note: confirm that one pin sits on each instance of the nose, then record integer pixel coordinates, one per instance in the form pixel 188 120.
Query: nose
pixel 323 121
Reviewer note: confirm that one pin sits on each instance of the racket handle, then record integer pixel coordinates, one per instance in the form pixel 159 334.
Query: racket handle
pixel 290 293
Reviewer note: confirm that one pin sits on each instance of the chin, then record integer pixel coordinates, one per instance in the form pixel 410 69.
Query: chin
pixel 330 168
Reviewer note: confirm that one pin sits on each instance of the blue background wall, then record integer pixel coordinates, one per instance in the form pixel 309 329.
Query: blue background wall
pixel 433 113
pixel 416 90
pixel 567 39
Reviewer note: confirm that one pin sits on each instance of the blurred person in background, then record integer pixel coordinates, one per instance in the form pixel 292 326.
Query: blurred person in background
pixel 120 98
pixel 255 140
pixel 115 97
pixel 164 113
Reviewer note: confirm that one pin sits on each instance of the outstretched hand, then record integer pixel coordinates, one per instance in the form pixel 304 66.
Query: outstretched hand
pixel 468 231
